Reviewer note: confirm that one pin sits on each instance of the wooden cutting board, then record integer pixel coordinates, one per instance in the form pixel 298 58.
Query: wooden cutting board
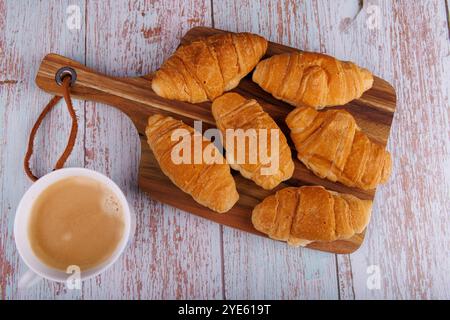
pixel 373 112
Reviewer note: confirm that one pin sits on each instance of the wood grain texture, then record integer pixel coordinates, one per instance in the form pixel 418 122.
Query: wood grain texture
pixel 173 255
pixel 272 273
pixel 25 36
pixel 408 238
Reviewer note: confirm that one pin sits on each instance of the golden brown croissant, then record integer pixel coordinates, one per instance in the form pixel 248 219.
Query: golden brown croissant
pixel 232 111
pixel 312 79
pixel 307 214
pixel 203 69
pixel 210 184
pixel 333 147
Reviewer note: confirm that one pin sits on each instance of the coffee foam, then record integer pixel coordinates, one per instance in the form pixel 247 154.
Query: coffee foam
pixel 111 205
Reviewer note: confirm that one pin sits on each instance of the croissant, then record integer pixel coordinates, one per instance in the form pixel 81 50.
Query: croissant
pixel 333 147
pixel 210 184
pixel 307 214
pixel 203 69
pixel 312 79
pixel 232 111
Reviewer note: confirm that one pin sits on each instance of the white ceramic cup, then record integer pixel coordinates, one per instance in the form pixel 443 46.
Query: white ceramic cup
pixel 36 268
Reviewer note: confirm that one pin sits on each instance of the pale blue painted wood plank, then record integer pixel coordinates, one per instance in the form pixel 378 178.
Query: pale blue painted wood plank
pixel 174 254
pixel 256 267
pixel 29 31
pixel 409 47
pixel 408 238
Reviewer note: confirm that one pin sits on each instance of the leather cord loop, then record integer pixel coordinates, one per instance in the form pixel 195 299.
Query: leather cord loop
pixel 73 131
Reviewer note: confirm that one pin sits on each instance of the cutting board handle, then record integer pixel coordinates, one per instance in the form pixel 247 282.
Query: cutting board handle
pixel 133 96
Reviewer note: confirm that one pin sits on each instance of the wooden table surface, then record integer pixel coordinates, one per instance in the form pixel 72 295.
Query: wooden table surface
pixel 406 254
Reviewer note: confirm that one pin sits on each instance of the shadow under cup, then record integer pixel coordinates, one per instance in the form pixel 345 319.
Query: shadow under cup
pixel 23 215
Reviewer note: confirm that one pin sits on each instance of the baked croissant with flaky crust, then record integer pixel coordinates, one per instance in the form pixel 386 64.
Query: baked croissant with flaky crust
pixel 312 79
pixel 203 69
pixel 209 183
pixel 333 147
pixel 232 111
pixel 307 214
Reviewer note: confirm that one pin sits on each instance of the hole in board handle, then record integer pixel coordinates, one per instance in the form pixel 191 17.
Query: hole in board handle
pixel 66 72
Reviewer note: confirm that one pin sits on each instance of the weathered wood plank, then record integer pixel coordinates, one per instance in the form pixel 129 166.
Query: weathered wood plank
pixel 406 46
pixel 409 237
pixel 29 31
pixel 173 254
pixel 270 269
